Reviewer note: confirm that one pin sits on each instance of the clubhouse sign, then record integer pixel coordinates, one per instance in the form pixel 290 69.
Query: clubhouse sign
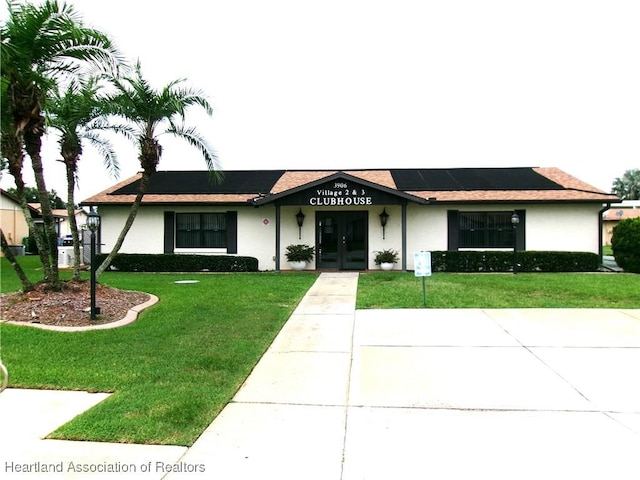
pixel 341 194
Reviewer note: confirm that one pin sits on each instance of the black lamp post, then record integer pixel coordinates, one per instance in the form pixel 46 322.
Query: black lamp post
pixel 93 223
pixel 300 220
pixel 384 216
pixel 515 220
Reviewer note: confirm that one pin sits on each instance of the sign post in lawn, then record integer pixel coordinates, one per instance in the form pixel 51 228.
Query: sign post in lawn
pixel 422 268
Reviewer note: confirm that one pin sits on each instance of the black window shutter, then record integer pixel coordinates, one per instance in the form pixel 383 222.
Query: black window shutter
pixel 232 232
pixel 453 230
pixel 169 231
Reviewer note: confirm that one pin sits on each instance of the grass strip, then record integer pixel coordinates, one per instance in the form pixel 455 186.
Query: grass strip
pixel 485 290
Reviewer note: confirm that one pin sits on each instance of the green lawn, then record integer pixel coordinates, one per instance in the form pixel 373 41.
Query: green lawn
pixel 525 290
pixel 174 369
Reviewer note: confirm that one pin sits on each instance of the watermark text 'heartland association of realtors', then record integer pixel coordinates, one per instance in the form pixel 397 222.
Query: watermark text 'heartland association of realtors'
pixel 102 467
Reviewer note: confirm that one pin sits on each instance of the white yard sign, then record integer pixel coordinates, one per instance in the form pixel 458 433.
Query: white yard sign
pixel 422 264
pixel 422 268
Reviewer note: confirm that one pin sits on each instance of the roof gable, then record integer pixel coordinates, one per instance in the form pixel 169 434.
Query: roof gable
pixel 338 184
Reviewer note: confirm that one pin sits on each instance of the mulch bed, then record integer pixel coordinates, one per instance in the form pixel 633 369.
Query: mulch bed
pixel 70 307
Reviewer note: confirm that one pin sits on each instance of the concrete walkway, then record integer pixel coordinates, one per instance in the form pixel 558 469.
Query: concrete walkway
pixel 407 394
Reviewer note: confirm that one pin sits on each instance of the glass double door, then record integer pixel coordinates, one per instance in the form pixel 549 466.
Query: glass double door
pixel 342 240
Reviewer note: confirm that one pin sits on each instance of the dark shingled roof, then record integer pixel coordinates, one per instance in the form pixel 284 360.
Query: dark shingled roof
pixel 456 179
pixel 202 182
pixel 442 185
pixel 431 179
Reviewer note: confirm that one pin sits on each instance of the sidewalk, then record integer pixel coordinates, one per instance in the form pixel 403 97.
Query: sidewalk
pixel 28 416
pixel 408 394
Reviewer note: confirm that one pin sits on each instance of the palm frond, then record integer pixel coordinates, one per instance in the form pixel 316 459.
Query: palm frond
pixel 106 151
pixel 196 140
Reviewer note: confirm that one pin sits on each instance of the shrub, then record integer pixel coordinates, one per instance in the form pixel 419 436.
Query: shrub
pixel 180 263
pixel 502 261
pixel 625 244
pixel 300 253
pixel 386 256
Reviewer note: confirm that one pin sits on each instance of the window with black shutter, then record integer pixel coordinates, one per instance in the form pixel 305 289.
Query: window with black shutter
pixel 201 230
pixel 485 230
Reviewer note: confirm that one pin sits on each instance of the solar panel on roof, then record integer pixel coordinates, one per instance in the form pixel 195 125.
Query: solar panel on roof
pixel 472 179
pixel 200 182
pixel 426 179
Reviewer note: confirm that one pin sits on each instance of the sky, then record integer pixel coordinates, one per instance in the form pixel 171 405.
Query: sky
pixel 355 84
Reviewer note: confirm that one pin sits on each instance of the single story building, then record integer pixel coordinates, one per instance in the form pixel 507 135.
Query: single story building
pixel 12 221
pixel 618 212
pixel 349 215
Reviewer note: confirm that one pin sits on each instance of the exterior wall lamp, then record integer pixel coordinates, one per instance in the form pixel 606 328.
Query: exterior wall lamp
pixel 384 216
pixel 300 219
pixel 515 220
pixel 93 224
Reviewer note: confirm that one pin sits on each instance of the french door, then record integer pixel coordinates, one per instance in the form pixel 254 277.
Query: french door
pixel 342 240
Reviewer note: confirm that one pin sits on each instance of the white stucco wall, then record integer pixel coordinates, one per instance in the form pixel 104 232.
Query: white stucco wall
pixel 548 227
pixel 427 230
pixel 146 234
pixel 256 231
pixel 257 234
pixel 562 228
pixel 392 234
pixel 553 227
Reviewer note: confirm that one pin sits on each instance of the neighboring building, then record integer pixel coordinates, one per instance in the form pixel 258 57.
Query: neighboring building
pixel 15 226
pixel 61 217
pixel 618 212
pixel 255 213
pixel 64 226
pixel 12 220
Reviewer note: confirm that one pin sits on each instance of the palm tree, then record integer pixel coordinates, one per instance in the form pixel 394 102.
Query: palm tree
pixel 41 44
pixel 78 114
pixel 13 155
pixel 628 186
pixel 152 114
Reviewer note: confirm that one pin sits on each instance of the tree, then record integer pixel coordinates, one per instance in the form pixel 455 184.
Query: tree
pixel 152 114
pixel 78 114
pixel 32 195
pixel 8 253
pixel 627 187
pixel 41 46
pixel 13 154
pixel 625 244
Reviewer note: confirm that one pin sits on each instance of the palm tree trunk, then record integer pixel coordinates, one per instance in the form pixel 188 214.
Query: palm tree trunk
pixel 144 182
pixel 71 213
pixel 12 149
pixel 8 253
pixel 33 142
